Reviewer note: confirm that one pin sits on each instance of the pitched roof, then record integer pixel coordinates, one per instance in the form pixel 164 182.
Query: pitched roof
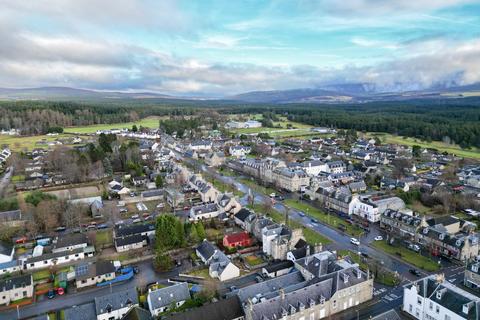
pixel 226 309
pixel 206 249
pixel 15 282
pixel 165 296
pixel 81 312
pixel 70 239
pixel 243 214
pixel 116 300
pixel 236 237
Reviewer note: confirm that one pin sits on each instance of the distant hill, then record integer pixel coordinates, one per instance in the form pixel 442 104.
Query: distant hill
pixel 329 94
pixel 353 93
pixel 60 93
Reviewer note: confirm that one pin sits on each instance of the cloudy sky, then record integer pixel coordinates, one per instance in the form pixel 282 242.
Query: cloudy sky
pixel 219 48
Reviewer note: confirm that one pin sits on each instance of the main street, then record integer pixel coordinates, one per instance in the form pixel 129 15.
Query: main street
pixel 385 298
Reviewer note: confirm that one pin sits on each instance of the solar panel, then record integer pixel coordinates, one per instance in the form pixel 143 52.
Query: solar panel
pixel 81 270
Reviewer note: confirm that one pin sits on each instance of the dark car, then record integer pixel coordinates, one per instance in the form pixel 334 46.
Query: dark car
pixel 51 294
pixel 364 254
pixel 415 272
pixel 135 270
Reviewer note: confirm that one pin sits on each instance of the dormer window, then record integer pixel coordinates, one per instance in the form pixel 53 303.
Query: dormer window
pixel 466 307
pixel 440 293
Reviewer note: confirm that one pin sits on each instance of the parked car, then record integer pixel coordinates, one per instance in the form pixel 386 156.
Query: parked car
pixel 135 216
pixel 415 272
pixel 51 294
pixel 378 238
pixel 233 288
pixel 301 214
pixel 136 220
pixel 258 279
pixel 342 227
pixel 364 254
pixel 21 240
pixel 102 226
pixel 355 241
pixel 272 195
pixel 60 291
pixel 349 221
pixel 314 220
pixel 60 229
pixel 414 247
pixel 123 210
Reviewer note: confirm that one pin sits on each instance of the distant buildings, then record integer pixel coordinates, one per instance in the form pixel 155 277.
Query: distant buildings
pixel 243 125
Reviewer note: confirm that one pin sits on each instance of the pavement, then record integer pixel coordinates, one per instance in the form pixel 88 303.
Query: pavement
pixel 5 180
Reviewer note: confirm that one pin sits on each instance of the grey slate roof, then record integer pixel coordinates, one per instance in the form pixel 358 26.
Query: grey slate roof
pixel 122 230
pixel 206 249
pixel 70 239
pixel 116 300
pixel 166 296
pixel 226 309
pixel 15 282
pixel 81 312
pixel 123 241
pixel 85 271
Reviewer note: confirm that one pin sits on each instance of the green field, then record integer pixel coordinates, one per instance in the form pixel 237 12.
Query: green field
pixel 409 256
pixel 439 145
pixel 17 143
pixel 331 220
pixel 149 122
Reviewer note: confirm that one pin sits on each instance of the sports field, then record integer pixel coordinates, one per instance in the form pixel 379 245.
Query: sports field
pixel 149 122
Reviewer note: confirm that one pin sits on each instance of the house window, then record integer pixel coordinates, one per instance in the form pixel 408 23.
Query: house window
pixel 447 317
pixel 312 316
pixel 437 309
pixel 334 305
pixel 410 308
pixel 431 305
pixel 24 293
pixel 419 300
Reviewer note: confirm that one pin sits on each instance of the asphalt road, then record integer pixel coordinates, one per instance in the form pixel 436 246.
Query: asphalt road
pixel 5 180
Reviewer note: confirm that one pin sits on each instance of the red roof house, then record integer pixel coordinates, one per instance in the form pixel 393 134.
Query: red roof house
pixel 240 239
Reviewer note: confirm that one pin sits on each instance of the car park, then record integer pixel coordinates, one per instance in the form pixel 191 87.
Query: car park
pixel 355 241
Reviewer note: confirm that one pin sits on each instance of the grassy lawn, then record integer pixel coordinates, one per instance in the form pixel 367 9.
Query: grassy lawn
pixel 200 273
pixel 213 234
pixel 439 145
pixel 253 260
pixel 331 220
pixel 409 256
pixel 40 275
pixel 417 206
pixel 18 178
pixel 149 122
pixel 103 238
pixel 256 187
pixel 17 143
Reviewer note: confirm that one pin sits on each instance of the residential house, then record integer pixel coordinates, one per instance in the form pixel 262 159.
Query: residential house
pixel 200 145
pixel 372 207
pixel 290 180
pixel 472 275
pixel 70 241
pixel 133 237
pixel 404 224
pixel 278 240
pixel 80 312
pixel 228 204
pixel 115 305
pixel 215 159
pixel 93 273
pixel 10 267
pixel 47 260
pixel 239 151
pixel 7 252
pixel 139 180
pixel 239 239
pixel 220 266
pixel 174 197
pixel 322 287
pixel 242 216
pixel 277 269
pixel 433 297
pixel 16 288
pixel 336 167
pixel 204 211
pixel 97 209
pixel 223 309
pixel 161 300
